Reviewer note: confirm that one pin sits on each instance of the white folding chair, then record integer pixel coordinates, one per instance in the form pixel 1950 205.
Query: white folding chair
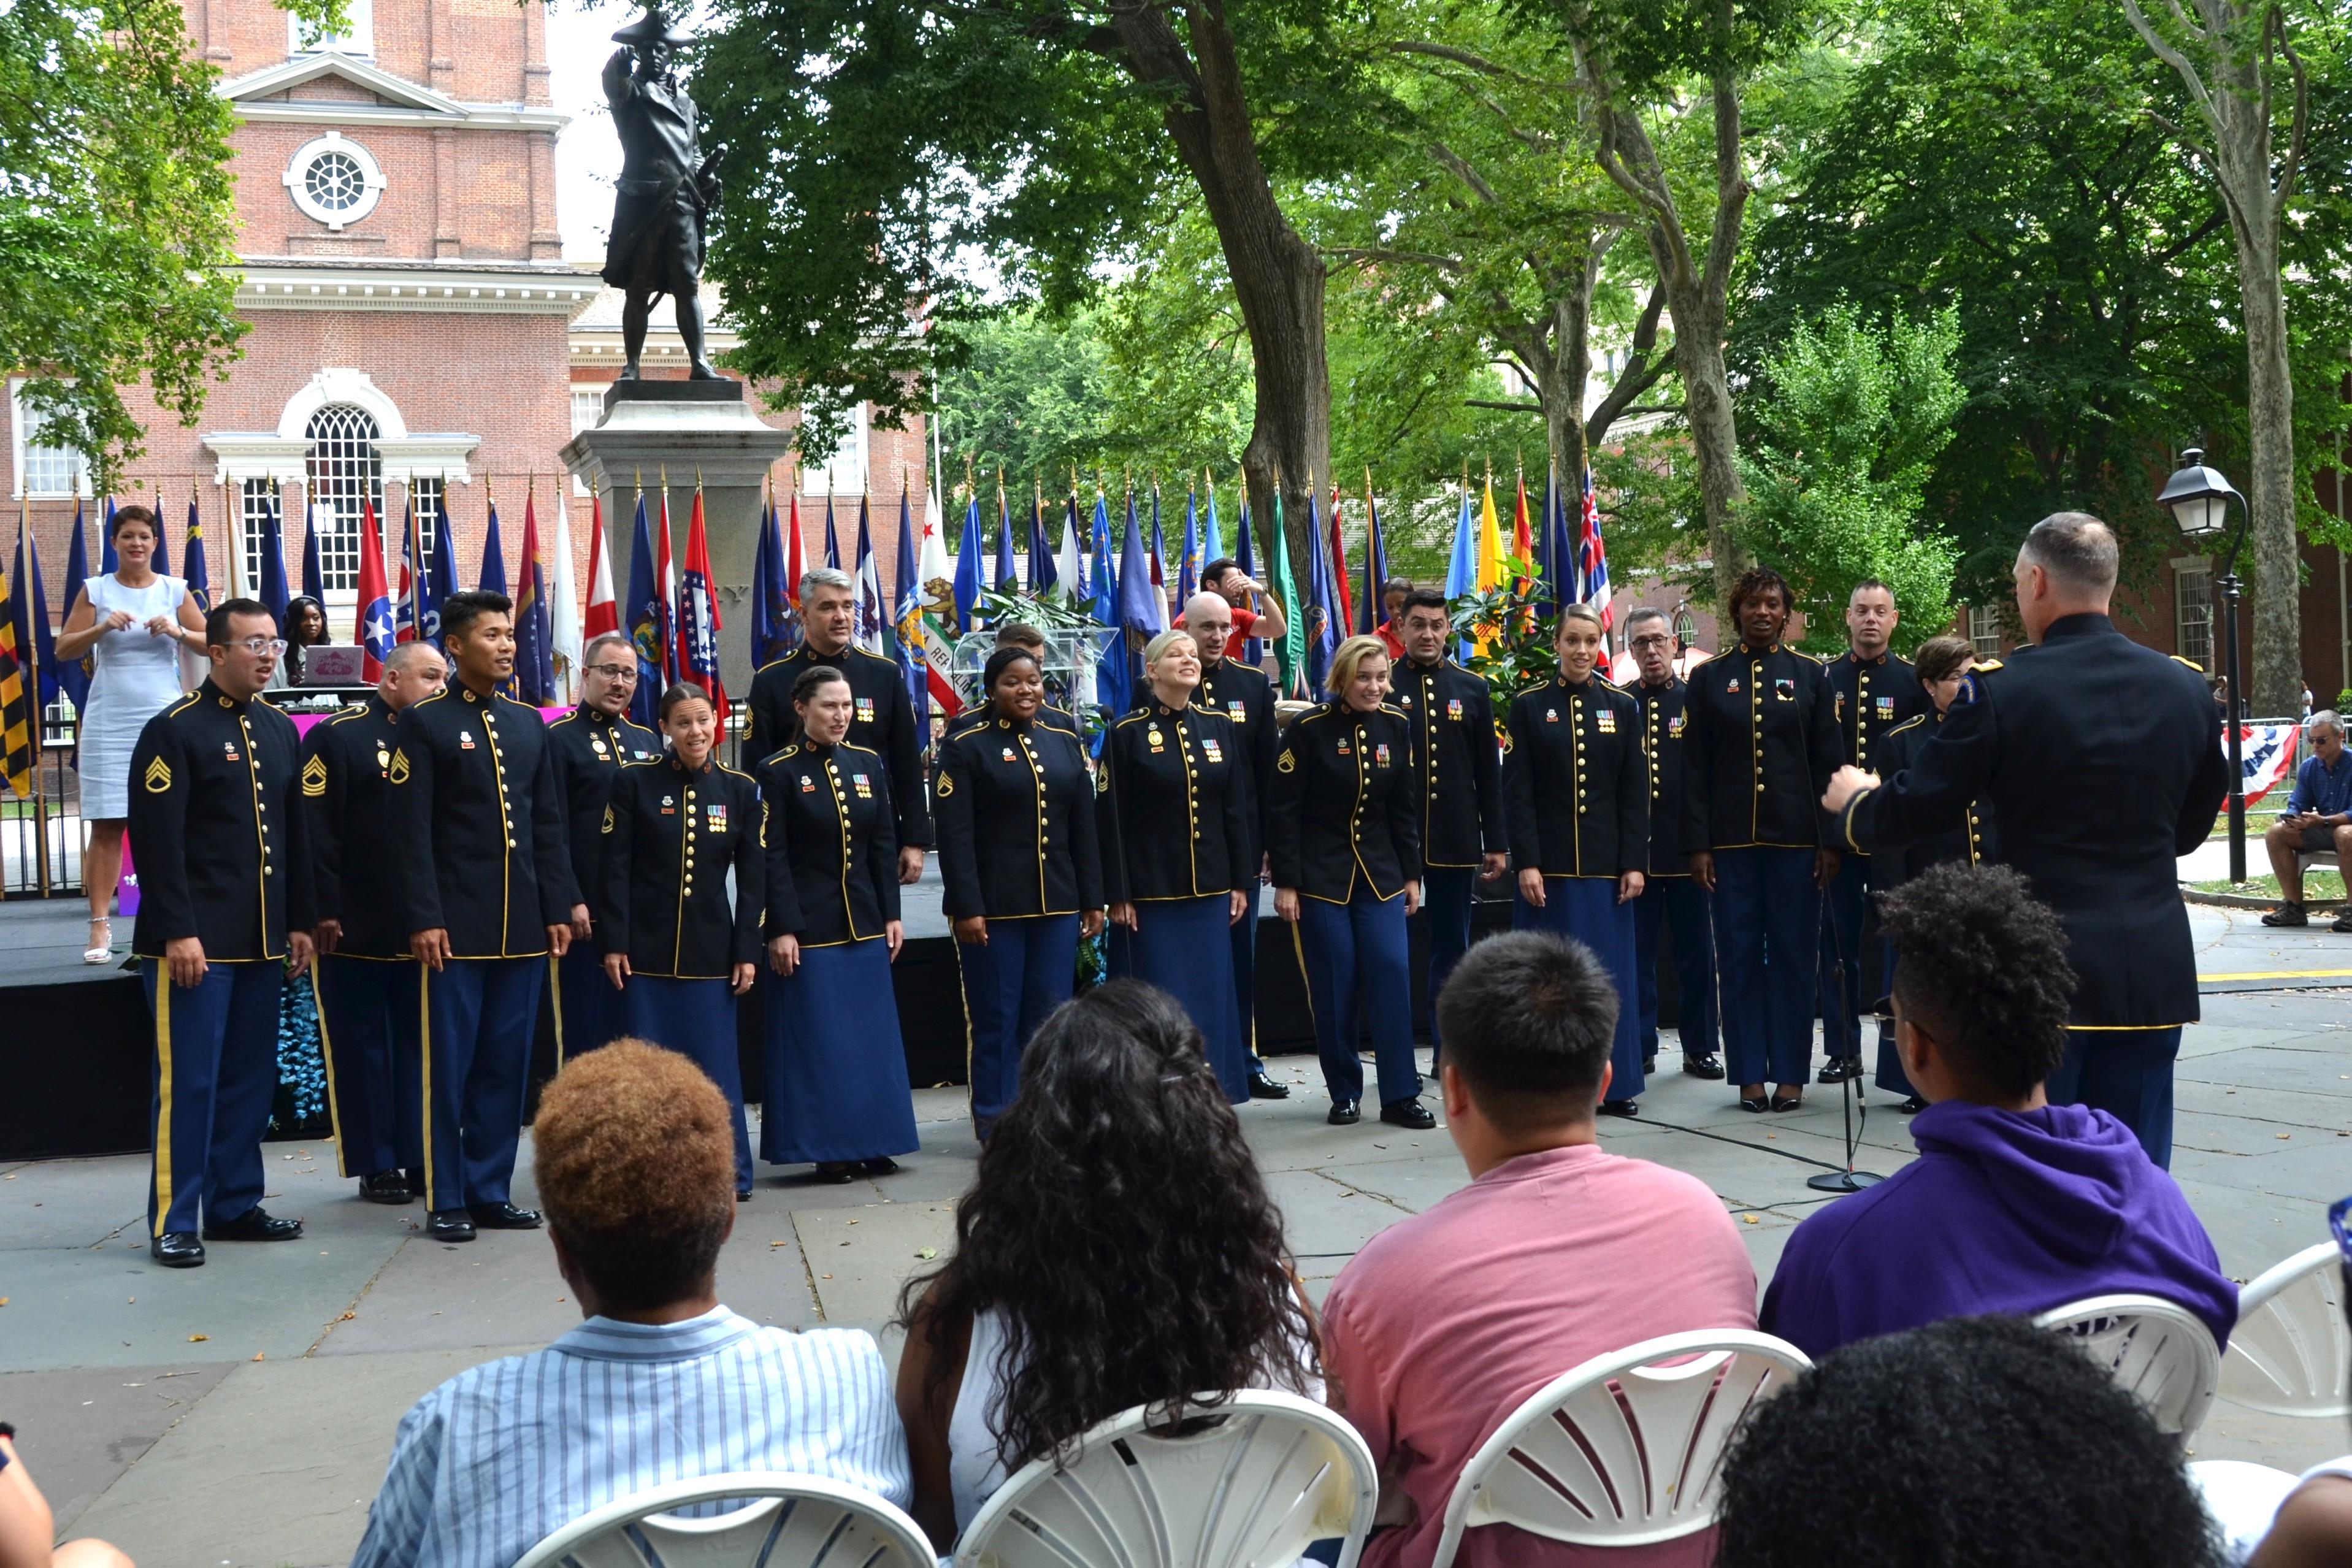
pixel 1624 1450
pixel 1249 1490
pixel 2160 1352
pixel 790 1521
pixel 2290 1353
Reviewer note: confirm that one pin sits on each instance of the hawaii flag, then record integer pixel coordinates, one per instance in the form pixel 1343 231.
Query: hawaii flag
pixel 697 617
pixel 372 632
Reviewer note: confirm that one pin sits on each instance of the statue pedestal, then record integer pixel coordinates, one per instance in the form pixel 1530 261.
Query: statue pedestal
pixel 685 429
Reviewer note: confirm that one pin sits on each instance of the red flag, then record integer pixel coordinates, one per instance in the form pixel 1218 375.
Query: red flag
pixel 603 616
pixel 404 616
pixel 1340 566
pixel 697 617
pixel 372 628
pixel 665 578
pixel 795 555
pixel 1522 541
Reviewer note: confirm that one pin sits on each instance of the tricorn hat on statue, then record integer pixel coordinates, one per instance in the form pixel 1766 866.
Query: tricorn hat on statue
pixel 653 28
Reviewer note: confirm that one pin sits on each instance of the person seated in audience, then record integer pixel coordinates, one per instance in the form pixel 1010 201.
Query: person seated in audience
pixel 1117 1248
pixel 2314 1527
pixel 1556 1252
pixel 635 1151
pixel 1972 1443
pixel 27 1526
pixel 2014 1205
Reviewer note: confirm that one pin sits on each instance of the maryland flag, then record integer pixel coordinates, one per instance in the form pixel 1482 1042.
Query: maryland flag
pixel 15 702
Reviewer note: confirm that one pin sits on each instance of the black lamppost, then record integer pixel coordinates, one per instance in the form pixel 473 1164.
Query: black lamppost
pixel 2198 499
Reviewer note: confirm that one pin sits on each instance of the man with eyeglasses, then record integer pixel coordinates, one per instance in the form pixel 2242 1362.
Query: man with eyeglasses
pixel 1671 895
pixel 225 913
pixel 589 745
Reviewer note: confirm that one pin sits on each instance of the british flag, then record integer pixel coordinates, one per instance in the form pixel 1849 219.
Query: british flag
pixel 1593 555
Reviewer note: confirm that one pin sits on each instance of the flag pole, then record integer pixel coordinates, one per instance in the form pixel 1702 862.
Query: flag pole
pixel 33 680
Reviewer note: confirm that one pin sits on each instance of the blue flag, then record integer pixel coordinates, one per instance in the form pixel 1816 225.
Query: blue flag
pixel 493 575
pixel 534 676
pixel 1043 579
pixel 646 623
pixel 1322 603
pixel 832 541
pixel 1462 567
pixel 1143 612
pixel 907 623
pixel 867 601
pixel 1371 609
pixel 192 569
pixel 271 589
pixel 1113 680
pixel 775 630
pixel 1006 574
pixel 1213 542
pixel 1188 569
pixel 106 561
pixel 30 606
pixel 445 566
pixel 1252 648
pixel 967 573
pixel 314 575
pixel 74 679
pixel 1562 579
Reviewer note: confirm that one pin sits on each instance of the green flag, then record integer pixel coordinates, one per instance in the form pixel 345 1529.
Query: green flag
pixel 1290 653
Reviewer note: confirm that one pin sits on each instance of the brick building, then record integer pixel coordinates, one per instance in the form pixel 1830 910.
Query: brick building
pixel 416 337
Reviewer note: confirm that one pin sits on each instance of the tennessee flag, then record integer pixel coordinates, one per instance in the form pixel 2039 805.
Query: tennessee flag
pixel 372 632
pixel 697 617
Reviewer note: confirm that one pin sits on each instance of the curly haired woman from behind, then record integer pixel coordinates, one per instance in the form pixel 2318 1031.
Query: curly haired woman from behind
pixel 1117 1248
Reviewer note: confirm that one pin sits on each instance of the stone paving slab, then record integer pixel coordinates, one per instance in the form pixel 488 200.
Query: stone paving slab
pixel 79 1431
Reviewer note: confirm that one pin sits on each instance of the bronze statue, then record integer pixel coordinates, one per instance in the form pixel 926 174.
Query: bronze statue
pixel 666 190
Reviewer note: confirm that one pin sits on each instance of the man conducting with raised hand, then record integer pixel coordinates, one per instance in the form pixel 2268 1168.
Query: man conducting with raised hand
pixel 2103 766
pixel 490 896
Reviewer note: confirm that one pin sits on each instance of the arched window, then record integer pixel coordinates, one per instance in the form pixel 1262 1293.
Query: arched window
pixel 345 470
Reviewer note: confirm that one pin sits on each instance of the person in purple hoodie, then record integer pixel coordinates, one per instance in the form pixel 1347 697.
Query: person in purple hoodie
pixel 2014 1205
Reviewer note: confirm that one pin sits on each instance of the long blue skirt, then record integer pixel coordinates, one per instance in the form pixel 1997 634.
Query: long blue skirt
pixel 1184 945
pixel 1586 908
pixel 697 1019
pixel 836 1068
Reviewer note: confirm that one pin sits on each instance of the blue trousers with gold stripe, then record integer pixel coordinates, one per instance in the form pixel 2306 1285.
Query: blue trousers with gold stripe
pixel 1356 947
pixel 215 1074
pixel 1023 971
pixel 480 1016
pixel 368 1012
pixel 1447 894
pixel 1768 929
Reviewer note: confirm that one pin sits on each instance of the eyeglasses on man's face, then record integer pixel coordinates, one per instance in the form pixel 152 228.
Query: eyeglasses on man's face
pixel 615 672
pixel 1656 640
pixel 259 645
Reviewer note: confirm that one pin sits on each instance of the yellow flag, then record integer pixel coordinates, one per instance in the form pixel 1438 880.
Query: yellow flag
pixel 1490 543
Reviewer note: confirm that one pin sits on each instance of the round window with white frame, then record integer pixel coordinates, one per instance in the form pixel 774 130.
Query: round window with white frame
pixel 334 179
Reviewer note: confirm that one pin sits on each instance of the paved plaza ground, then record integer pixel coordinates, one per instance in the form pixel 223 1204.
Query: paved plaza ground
pixel 241 1414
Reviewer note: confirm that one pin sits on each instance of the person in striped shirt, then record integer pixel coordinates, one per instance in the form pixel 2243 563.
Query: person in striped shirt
pixel 635 1159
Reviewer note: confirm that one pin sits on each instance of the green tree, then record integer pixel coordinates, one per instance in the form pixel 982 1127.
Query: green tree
pixel 117 231
pixel 1847 427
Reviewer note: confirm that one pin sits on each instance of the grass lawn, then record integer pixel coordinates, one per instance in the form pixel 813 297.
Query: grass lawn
pixel 2318 887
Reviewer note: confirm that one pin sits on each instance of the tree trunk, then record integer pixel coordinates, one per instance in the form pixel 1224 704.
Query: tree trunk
pixel 2277 677
pixel 1277 276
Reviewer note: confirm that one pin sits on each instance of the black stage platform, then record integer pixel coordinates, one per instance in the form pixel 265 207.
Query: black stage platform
pixel 77 1051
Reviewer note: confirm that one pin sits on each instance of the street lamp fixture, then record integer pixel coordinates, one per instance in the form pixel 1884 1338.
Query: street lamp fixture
pixel 2198 499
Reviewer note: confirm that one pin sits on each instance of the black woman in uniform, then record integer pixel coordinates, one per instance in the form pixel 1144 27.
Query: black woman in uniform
pixel 1173 810
pixel 1941 664
pixel 1576 795
pixel 680 950
pixel 1012 809
pixel 836 1092
pixel 1343 831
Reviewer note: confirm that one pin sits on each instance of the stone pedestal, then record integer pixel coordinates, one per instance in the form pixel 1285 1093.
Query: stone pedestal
pixel 683 429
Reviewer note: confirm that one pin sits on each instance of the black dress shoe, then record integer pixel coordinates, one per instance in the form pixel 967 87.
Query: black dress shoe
pixel 177 1250
pixel 253 1225
pixel 883 1166
pixel 386 1187
pixel 503 1216
pixel 1620 1108
pixel 839 1175
pixel 744 1195
pixel 1410 1113
pixel 1840 1069
pixel 1911 1106
pixel 449 1225
pixel 1344 1114
pixel 1707 1064
pixel 1649 1065
pixel 1263 1088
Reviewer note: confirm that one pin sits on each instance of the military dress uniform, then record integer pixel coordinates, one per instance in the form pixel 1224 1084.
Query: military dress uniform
pixel 1171 809
pixel 663 825
pixel 1758 750
pixel 1871 697
pixel 1576 795
pixel 1013 807
pixel 836 1074
pixel 1969 841
pixel 368 1011
pixel 223 857
pixel 1245 696
pixel 2127 740
pixel 1343 831
pixel 591 748
pixel 1048 717
pixel 1672 897
pixel 883 720
pixel 474 805
pixel 1451 715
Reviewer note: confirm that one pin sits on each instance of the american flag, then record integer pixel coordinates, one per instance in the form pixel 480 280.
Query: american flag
pixel 1593 555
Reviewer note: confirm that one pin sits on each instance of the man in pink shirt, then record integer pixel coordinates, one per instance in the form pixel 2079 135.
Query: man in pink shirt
pixel 1555 1253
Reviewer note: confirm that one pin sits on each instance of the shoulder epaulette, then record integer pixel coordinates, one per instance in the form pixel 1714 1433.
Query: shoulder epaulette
pixel 877 658
pixel 792 750
pixel 1981 665
pixel 2190 662
pixel 349 713
pixel 185 703
pixel 1914 722
pixel 861 750
pixel 772 663
pixel 1130 718
pixel 736 771
pixel 1702 659
pixel 1391 708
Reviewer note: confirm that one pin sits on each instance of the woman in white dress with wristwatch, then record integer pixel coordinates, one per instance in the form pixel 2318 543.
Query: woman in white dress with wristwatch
pixel 133 624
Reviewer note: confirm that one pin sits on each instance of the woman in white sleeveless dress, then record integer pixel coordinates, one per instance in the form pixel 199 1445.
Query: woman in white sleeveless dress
pixel 133 625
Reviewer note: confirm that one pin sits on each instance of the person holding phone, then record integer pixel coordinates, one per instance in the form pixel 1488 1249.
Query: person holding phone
pixel 2319 819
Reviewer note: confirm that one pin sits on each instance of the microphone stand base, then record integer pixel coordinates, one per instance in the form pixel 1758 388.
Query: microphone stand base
pixel 1843 1181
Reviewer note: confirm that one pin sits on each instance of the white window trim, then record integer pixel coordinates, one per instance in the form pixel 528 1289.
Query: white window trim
pixel 16 440
pixel 358 37
pixel 297 191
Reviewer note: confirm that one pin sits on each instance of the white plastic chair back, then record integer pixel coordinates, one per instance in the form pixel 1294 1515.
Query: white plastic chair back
pixel 1624 1450
pixel 791 1522
pixel 2290 1353
pixel 1250 1492
pixel 2158 1352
